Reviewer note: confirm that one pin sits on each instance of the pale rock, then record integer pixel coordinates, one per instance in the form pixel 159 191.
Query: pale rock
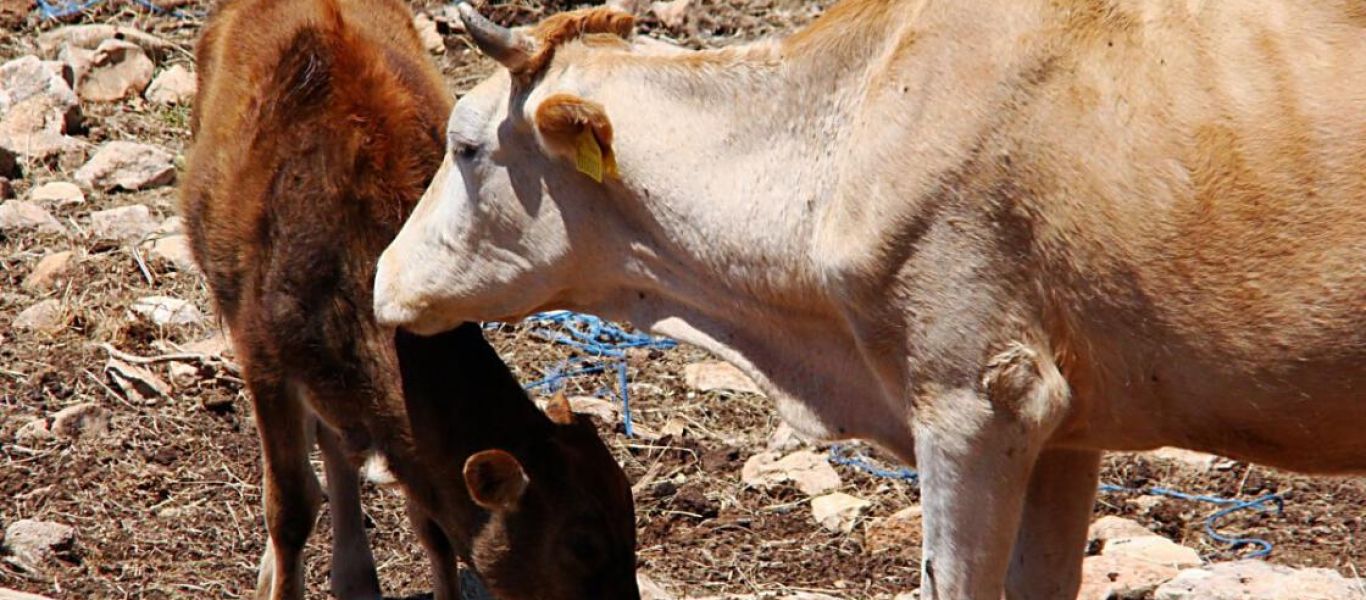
pixel 49 271
pixel 1155 549
pixel 716 375
pixel 85 419
pixel 57 193
pixel 183 375
pixel 810 471
pixel 37 107
pixel 123 224
pixel 426 31
pixel 91 36
pixel 784 439
pixel 1121 578
pixel 167 311
pixel 117 70
pixel 18 215
pixel 46 316
pixel 127 165
pixel 33 432
pixel 811 596
pixel 674 427
pixel 176 85
pixel 913 595
pixel 897 534
pixel 1258 580
pixel 838 512
pixel 634 7
pixel 672 14
pixel 137 384
pixel 217 345
pixel 38 544
pixel 171 226
pixel 173 250
pixel 650 590
pixel 1111 527
pixel 1193 459
pixel 8 594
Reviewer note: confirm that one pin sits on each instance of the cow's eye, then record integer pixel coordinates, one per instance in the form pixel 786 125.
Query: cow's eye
pixel 466 151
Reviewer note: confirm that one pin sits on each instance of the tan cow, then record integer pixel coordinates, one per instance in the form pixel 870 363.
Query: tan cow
pixel 997 237
pixel 317 125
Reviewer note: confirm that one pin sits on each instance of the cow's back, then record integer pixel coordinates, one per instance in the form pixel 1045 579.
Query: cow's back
pixel 314 136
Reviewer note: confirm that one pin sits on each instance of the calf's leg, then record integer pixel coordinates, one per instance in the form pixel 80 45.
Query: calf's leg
pixel 1046 563
pixel 353 565
pixel 291 492
pixel 445 575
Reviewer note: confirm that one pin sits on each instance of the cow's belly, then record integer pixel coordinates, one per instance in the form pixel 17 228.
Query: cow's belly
pixel 1311 418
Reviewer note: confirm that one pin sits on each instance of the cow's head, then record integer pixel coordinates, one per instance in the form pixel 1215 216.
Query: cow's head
pixel 525 211
pixel 560 524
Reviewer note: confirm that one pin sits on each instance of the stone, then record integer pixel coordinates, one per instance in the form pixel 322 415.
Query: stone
pixel 123 224
pixel 79 420
pixel 426 31
pixel 784 439
pixel 57 193
pixel 167 311
pixel 838 512
pixel 1155 549
pixel 33 432
pixel 19 215
pixel 810 471
pixel 37 107
pixel 673 14
pixel 898 534
pixel 183 375
pixel 1258 580
pixel 1190 458
pixel 1111 527
pixel 49 272
pixel 217 345
pixel 91 36
pixel 718 376
pixel 117 70
pixel 649 590
pixel 46 316
pixel 1121 578
pixel 173 250
pixel 128 166
pixel 634 7
pixel 177 85
pixel 137 384
pixel 38 544
pixel 8 594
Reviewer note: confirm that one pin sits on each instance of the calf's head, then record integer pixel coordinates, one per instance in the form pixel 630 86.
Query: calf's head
pixel 525 211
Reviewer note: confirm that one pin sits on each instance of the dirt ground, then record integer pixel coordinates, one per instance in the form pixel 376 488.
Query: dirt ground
pixel 167 504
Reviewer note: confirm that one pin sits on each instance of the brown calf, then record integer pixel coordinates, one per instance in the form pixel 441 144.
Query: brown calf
pixel 317 126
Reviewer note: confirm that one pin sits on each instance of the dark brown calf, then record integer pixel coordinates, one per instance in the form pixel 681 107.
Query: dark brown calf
pixel 318 124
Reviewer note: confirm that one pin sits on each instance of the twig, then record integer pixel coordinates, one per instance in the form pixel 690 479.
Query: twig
pixel 160 358
pixel 142 266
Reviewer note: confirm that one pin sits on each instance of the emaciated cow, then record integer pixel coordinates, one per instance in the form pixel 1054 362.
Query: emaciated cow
pixel 317 125
pixel 997 237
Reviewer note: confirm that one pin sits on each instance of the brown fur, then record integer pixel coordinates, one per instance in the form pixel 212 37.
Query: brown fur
pixel 317 126
pixel 562 28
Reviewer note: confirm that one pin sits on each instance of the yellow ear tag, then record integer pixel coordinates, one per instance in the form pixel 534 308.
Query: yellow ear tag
pixel 588 155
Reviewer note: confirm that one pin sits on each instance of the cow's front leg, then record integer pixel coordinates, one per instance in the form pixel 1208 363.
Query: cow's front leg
pixel 976 447
pixel 1048 552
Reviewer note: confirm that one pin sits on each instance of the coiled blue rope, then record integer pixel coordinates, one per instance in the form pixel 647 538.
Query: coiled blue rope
pixel 849 455
pixel 61 9
pixel 604 344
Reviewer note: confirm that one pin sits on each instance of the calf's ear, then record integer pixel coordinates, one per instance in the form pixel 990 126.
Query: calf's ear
pixel 576 129
pixel 495 480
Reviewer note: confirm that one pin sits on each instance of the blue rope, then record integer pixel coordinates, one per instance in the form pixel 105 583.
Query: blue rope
pixel 604 344
pixel 59 9
pixel 849 455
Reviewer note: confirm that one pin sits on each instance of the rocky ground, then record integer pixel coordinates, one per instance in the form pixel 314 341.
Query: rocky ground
pixel 128 463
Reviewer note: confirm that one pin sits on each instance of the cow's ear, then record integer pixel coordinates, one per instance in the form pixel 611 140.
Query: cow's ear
pixel 495 480
pixel 576 129
pixel 559 410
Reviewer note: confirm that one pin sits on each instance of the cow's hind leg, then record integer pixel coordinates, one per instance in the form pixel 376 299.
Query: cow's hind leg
pixel 353 565
pixel 291 492
pixel 445 575
pixel 1046 563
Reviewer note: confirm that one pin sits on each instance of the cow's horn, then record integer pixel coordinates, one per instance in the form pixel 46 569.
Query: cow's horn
pixel 511 48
